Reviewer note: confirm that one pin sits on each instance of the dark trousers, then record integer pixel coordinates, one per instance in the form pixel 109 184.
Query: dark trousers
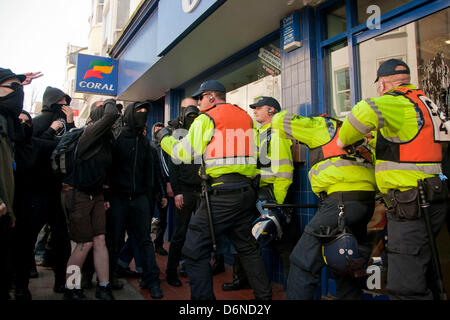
pixel 23 239
pixel 46 208
pixel 232 216
pixel 410 272
pixel 6 256
pixel 307 260
pixel 181 222
pixel 162 225
pixel 134 217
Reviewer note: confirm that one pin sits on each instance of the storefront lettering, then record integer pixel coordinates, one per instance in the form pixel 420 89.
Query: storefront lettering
pixel 189 5
pixel 96 86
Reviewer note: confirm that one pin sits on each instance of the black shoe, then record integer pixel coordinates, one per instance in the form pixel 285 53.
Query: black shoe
pixel 122 272
pixel 156 292
pixel 23 295
pixel 161 251
pixel 235 285
pixel 116 284
pixel 104 293
pixel 173 280
pixel 182 271
pixel 74 294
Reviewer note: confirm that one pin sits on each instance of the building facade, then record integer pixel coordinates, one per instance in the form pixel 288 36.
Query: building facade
pixel 313 56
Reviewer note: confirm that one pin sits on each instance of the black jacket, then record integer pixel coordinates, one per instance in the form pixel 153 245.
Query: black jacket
pixel 131 173
pixel 45 140
pixel 93 156
pixel 185 177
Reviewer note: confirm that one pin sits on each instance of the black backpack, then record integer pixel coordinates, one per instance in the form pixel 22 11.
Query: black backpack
pixel 63 157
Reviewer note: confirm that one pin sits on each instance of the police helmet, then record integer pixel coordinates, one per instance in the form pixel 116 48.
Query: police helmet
pixel 270 222
pixel 342 255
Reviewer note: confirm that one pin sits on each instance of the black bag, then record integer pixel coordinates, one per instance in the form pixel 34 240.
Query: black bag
pixel 63 157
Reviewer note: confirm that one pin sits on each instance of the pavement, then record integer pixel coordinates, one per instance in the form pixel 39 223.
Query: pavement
pixel 41 288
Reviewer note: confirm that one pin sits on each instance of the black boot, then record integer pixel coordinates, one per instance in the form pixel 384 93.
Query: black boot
pixel 239 277
pixel 172 279
pixel 104 293
pixel 74 294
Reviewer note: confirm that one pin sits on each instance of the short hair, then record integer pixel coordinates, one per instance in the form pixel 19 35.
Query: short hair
pixel 220 95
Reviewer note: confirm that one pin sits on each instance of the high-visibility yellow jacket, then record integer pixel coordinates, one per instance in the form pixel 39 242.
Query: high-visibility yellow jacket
pixel 329 175
pixel 398 121
pixel 199 140
pixel 275 162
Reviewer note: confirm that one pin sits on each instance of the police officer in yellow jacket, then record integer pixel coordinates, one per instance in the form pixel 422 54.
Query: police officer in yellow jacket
pixel 407 149
pixel 223 136
pixel 276 169
pixel 338 180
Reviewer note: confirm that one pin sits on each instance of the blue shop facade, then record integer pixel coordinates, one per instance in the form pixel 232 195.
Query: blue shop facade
pixel 313 56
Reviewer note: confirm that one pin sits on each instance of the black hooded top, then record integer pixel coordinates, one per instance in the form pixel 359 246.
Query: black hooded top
pixel 45 140
pixel 131 173
pixel 50 112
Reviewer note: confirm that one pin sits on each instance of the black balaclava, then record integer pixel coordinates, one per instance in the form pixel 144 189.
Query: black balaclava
pixel 189 115
pixel 10 107
pixel 136 121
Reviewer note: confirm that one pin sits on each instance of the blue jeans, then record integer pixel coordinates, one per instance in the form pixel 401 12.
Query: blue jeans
pixel 129 251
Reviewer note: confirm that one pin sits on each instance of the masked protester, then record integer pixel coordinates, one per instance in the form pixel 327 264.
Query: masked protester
pixel 55 119
pixel 131 190
pixel 11 102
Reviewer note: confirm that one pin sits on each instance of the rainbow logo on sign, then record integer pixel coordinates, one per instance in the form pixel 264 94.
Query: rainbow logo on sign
pixel 96 68
pixel 97 75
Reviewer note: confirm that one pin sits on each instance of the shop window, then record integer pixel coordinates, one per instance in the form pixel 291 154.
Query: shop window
pixel 383 5
pixel 424 45
pixel 336 21
pixel 338 79
pixel 342 99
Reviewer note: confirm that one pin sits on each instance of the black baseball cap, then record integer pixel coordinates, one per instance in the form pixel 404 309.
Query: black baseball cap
pixel 6 74
pixel 266 101
pixel 387 68
pixel 209 85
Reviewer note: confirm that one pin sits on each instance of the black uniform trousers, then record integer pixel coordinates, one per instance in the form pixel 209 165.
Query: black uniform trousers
pixel 232 214
pixel 410 271
pixel 132 215
pixel 182 217
pixel 307 260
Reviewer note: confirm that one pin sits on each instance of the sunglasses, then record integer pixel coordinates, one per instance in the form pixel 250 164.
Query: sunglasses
pixel 13 85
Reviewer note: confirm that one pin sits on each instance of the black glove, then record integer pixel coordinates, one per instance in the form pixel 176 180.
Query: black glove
pixel 160 134
pixel 110 106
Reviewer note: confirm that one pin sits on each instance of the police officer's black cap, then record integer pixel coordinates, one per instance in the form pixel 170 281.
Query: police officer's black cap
pixel 387 68
pixel 266 101
pixel 209 85
pixel 6 74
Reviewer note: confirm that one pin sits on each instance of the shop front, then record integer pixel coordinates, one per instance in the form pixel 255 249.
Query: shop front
pixel 168 50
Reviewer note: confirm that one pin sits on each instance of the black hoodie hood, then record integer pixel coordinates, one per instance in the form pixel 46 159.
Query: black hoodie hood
pixel 51 96
pixel 157 124
pixel 129 116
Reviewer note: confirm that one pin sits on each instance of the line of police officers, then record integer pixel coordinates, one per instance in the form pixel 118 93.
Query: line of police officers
pixel 378 148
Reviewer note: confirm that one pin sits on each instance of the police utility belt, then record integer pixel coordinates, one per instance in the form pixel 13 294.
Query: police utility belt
pixel 405 205
pixel 232 183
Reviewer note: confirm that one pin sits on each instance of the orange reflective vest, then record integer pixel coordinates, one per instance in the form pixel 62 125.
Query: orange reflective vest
pixel 233 132
pixel 329 149
pixel 423 147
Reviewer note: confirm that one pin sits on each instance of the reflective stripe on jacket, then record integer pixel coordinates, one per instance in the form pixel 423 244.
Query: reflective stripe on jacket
pixel 397 120
pixel 275 162
pixel 233 148
pixel 329 175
